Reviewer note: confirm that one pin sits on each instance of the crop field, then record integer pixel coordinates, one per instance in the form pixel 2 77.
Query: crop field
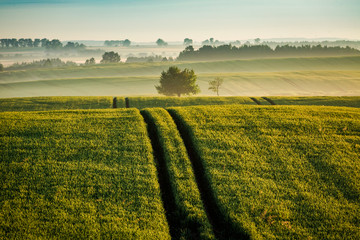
pixel 234 171
pixel 148 102
pixel 332 76
pixel 279 172
pixel 85 174
pixel 322 101
pixel 68 103
pixel 57 103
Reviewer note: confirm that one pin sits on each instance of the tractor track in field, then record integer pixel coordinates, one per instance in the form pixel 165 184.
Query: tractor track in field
pixel 223 227
pixel 269 100
pixel 167 192
pixel 256 101
pixel 127 102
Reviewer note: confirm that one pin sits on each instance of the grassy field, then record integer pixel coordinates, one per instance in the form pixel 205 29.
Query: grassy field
pixel 57 103
pixel 335 76
pixel 155 68
pixel 85 174
pixel 67 103
pixel 149 102
pixel 187 213
pixel 280 172
pixel 322 101
pixel 234 171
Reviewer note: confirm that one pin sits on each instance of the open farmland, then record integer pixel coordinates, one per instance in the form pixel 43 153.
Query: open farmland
pixel 78 175
pixel 279 172
pixel 332 76
pixel 321 101
pixel 57 103
pixel 235 171
pixel 149 102
pixel 67 103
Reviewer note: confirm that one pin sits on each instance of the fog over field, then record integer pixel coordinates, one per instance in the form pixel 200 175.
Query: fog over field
pixel 169 119
pixel 257 47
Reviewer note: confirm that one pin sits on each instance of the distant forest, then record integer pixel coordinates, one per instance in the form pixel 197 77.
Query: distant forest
pixel 45 63
pixel 338 43
pixel 44 43
pixel 117 43
pixel 254 51
pixel 156 58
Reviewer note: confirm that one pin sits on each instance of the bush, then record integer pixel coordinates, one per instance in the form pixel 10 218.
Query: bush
pixel 110 57
pixel 90 61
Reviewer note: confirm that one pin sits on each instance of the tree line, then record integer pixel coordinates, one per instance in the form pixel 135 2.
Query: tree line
pixel 117 43
pixel 228 51
pixel 337 43
pixel 37 42
pixel 44 63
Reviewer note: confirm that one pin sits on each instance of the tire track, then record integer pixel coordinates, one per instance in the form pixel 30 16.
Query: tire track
pixel 269 100
pixel 167 192
pixel 223 227
pixel 256 101
pixel 114 105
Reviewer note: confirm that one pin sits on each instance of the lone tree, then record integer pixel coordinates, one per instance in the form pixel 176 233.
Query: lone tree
pixel 110 57
pixel 161 42
pixel 177 82
pixel 1 67
pixel 215 84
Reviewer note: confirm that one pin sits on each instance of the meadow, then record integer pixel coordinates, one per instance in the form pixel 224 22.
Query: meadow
pixel 67 103
pixel 321 101
pixel 316 76
pixel 57 103
pixel 229 170
pixel 278 172
pixel 87 174
pixel 163 102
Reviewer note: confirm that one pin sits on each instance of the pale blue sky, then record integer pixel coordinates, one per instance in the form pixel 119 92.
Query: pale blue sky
pixel 147 20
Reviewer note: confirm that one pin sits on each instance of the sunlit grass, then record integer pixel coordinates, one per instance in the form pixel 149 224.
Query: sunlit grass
pixel 281 172
pixel 81 174
pixel 322 101
pixel 149 102
pixel 56 103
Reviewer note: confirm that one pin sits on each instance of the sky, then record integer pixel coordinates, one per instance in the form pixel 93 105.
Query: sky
pixel 173 20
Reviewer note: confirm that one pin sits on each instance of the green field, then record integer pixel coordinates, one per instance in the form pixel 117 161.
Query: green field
pixel 149 102
pixel 57 103
pixel 331 76
pixel 234 171
pixel 279 172
pixel 322 101
pixel 67 103
pixel 86 174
